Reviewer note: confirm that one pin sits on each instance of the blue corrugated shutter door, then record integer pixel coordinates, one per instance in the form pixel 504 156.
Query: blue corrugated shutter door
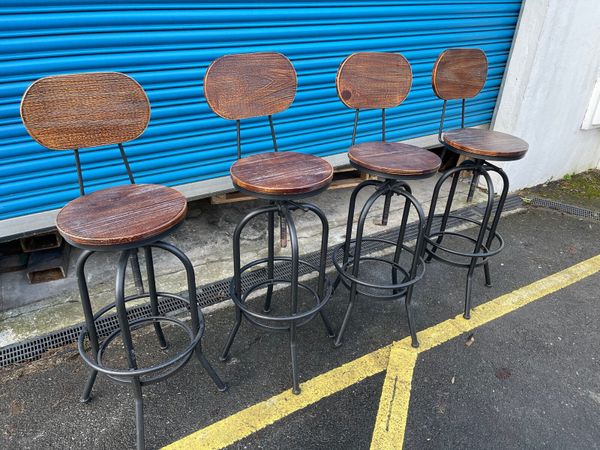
pixel 167 47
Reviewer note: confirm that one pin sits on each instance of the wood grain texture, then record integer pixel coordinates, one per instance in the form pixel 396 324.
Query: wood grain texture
pixel 282 173
pixel 121 215
pixel 395 158
pixel 486 144
pixel 66 112
pixel 373 80
pixel 250 85
pixel 459 73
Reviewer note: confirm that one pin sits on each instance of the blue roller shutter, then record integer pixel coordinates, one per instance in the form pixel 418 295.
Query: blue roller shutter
pixel 167 46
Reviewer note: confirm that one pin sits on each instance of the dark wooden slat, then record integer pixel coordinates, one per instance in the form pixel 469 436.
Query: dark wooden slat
pixel 486 144
pixel 283 173
pixel 373 80
pixel 66 112
pixel 459 73
pixel 121 215
pixel 394 158
pixel 250 85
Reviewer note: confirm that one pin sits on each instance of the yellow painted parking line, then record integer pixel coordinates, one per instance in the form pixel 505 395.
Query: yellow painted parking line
pixel 395 396
pixel 242 424
pixel 394 405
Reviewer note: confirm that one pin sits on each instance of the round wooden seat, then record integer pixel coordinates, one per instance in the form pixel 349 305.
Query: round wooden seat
pixel 121 216
pixel 486 144
pixel 281 174
pixel 395 159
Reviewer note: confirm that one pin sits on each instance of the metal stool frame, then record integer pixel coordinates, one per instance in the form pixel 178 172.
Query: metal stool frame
pixel 287 323
pixel 386 186
pixel 488 242
pixel 275 96
pixel 71 132
pixel 352 249
pixel 136 376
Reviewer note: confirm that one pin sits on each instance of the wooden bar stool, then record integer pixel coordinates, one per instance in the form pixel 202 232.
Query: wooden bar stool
pixel 70 112
pixel 256 85
pixel 458 74
pixel 381 81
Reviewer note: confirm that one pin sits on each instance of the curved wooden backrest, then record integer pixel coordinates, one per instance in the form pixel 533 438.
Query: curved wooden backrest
pixel 66 112
pixel 373 80
pixel 250 85
pixel 459 73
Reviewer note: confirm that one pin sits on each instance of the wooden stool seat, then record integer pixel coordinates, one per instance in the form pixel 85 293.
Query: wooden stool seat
pixel 281 173
pixel 394 158
pixel 121 215
pixel 486 144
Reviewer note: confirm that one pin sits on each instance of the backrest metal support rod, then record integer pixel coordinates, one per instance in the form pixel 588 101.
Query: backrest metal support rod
pixel 79 173
pixel 126 162
pixel 273 133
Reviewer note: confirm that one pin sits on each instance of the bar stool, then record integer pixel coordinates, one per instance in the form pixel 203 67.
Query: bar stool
pixel 381 81
pixel 70 112
pixel 460 73
pixel 256 85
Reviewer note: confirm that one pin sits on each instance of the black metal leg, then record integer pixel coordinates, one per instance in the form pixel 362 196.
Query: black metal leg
pixel 270 263
pixel 236 326
pixel 139 413
pixel 386 208
pixel 356 257
pixel 350 221
pixel 418 254
pixel 293 237
pixel 137 273
pixel 409 315
pixel 447 210
pixel 473 185
pixel 497 214
pixel 128 344
pixel 153 296
pixel 480 238
pixel 221 386
pixel 401 234
pixel 195 313
pixel 237 277
pixel 89 322
pixel 469 290
pixel 322 262
pixel 486 271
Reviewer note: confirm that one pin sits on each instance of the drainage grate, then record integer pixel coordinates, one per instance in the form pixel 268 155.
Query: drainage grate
pixel 210 294
pixel 562 207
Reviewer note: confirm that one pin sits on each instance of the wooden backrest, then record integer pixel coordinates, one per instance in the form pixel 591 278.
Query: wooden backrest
pixel 250 85
pixel 459 73
pixel 373 80
pixel 66 112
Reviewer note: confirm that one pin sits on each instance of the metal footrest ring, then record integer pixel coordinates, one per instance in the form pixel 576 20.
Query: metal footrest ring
pixel 280 323
pixel 399 289
pixel 431 246
pixel 148 375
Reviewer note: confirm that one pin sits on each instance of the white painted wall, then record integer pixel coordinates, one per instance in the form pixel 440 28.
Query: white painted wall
pixel 549 81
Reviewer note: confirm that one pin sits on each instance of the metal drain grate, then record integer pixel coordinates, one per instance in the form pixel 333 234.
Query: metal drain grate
pixel 210 294
pixel 567 209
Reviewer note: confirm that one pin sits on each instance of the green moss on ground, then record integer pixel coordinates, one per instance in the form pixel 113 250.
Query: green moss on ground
pixel 582 189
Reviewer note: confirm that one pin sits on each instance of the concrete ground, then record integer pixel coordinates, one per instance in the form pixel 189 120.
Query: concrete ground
pixel 529 379
pixel 205 237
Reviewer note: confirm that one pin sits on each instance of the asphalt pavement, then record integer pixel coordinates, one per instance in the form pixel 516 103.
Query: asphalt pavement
pixel 529 379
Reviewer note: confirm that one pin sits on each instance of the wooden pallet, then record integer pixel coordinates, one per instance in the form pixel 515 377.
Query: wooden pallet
pixel 342 179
